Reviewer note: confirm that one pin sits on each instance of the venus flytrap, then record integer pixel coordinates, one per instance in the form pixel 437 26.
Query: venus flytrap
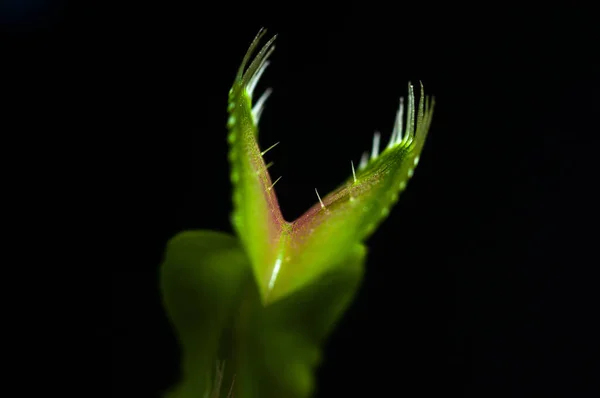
pixel 263 302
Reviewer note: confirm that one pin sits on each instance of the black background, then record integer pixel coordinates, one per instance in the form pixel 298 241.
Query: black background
pixel 484 279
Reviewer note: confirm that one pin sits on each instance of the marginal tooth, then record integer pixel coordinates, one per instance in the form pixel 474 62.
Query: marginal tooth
pixel 353 172
pixel 364 159
pixel 258 108
pixel 397 131
pixel 375 150
pixel 256 115
pixel 400 121
pixel 393 136
pixel 420 111
pixel 410 125
pixel 254 80
pixel 251 50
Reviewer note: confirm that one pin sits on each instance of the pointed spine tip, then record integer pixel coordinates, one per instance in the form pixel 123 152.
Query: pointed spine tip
pixel 248 55
pixel 257 66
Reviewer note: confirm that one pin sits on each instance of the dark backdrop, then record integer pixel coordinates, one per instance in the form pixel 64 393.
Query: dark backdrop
pixel 482 282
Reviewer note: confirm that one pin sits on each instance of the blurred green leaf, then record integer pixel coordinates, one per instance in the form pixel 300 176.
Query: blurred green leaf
pixel 215 306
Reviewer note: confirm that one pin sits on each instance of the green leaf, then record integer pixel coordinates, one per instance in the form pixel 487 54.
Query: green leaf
pixel 256 218
pixel 286 256
pixel 215 306
pixel 201 277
